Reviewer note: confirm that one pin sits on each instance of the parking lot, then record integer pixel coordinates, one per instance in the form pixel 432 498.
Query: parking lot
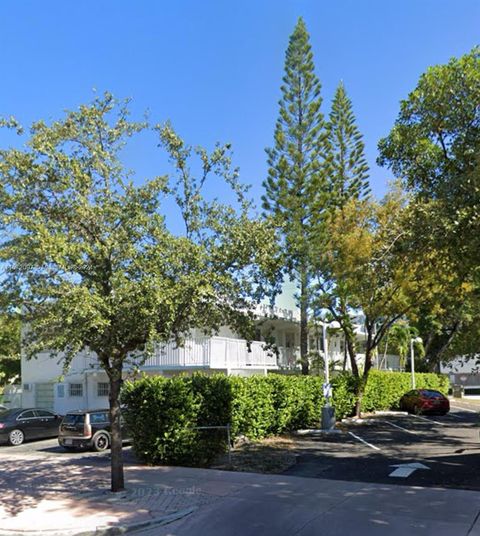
pixel 441 451
pixel 438 451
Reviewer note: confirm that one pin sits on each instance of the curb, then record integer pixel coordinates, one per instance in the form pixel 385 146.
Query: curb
pixel 105 531
pixel 318 431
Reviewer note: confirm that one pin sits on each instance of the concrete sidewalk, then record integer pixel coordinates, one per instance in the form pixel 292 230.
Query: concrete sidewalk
pixel 182 501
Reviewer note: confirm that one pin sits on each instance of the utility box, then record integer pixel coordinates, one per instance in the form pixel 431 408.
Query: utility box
pixel 458 391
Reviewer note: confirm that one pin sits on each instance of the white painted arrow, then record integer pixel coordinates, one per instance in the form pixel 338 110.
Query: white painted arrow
pixel 406 469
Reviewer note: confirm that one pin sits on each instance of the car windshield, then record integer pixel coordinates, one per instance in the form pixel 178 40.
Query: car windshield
pixel 73 419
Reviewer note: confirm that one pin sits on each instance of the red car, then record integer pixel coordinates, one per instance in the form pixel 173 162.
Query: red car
pixel 425 401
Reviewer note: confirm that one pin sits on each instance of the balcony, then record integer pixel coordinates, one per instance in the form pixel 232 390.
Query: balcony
pixel 214 353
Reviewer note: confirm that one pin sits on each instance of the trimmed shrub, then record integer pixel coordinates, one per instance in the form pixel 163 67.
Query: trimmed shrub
pixel 164 415
pixel 344 385
pixel 161 417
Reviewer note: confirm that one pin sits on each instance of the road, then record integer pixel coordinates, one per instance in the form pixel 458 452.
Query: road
pixel 368 451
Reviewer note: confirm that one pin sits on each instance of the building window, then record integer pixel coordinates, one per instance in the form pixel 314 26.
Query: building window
pixel 75 389
pixel 103 389
pixel 60 390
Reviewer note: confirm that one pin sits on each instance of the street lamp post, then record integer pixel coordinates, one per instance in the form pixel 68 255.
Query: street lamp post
pixel 328 412
pixel 412 358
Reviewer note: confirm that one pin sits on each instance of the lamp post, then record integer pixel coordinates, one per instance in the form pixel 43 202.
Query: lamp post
pixel 412 358
pixel 328 412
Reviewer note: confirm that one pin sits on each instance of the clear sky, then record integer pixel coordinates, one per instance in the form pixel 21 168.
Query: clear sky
pixel 214 67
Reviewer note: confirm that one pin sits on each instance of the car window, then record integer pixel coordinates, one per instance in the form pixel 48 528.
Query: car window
pixel 431 394
pixel 30 414
pixel 44 413
pixel 97 418
pixel 73 419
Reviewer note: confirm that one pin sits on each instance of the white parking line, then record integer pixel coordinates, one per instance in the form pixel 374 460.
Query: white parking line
pixel 464 409
pixel 400 427
pixel 455 416
pixel 363 441
pixel 428 420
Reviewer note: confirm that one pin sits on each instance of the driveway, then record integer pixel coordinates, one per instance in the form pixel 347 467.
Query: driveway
pixel 383 448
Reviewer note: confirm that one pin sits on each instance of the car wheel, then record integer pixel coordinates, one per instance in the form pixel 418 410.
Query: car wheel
pixel 417 410
pixel 16 437
pixel 101 442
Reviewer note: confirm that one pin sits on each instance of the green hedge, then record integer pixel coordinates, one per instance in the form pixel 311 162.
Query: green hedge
pixel 384 389
pixel 164 415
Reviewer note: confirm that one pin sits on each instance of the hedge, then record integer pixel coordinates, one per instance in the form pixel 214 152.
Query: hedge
pixel 164 415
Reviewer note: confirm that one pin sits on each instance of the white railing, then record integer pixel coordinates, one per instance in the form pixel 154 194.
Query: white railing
pixel 213 352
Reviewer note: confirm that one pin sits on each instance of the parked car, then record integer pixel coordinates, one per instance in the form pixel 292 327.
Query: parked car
pixel 17 425
pixel 3 408
pixel 425 401
pixel 87 429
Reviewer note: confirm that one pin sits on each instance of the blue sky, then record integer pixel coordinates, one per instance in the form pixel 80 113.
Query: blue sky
pixel 214 68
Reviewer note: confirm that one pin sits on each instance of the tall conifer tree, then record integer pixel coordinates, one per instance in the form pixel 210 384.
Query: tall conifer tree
pixel 347 168
pixel 295 175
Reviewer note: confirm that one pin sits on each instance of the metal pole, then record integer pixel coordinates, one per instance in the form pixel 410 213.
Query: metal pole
pixel 229 445
pixel 412 363
pixel 325 354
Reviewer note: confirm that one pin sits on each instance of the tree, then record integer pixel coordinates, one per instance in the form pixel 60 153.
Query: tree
pixel 9 346
pixel 365 266
pixel 92 261
pixel 346 173
pixel 434 147
pixel 346 165
pixel 295 180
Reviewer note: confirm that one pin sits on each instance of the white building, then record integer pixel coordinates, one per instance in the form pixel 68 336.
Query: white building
pixel 85 385
pixel 464 375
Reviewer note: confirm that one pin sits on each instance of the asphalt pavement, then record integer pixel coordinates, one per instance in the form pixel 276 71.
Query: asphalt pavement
pixel 430 451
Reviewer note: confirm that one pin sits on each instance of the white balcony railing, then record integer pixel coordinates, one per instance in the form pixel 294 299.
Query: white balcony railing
pixel 213 352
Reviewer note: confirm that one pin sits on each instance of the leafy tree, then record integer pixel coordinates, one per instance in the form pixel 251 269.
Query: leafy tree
pixel 364 266
pixel 434 147
pixel 295 180
pixel 92 261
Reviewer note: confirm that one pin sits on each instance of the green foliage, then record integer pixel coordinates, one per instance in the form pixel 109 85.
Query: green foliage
pixel 434 147
pixel 89 256
pixel 164 414
pixel 295 181
pixel 344 394
pixel 384 389
pixel 346 165
pixel 9 347
pixel 162 419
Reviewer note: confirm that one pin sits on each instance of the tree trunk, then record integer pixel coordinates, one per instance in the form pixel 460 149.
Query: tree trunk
pixel 116 456
pixel 352 355
pixel 304 322
pixel 366 370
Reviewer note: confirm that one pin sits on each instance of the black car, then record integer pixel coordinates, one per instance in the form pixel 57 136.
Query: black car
pixel 17 425
pixel 88 429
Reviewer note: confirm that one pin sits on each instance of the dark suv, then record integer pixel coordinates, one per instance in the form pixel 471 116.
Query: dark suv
pixel 86 429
